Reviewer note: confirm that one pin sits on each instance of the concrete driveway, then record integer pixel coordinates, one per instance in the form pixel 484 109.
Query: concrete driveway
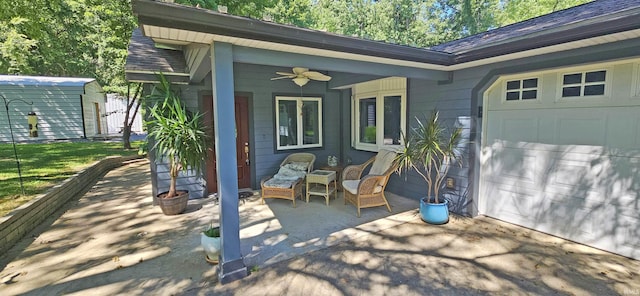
pixel 113 241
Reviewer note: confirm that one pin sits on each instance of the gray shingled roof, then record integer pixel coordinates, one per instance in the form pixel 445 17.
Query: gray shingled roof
pixel 594 19
pixel 144 56
pixel 566 17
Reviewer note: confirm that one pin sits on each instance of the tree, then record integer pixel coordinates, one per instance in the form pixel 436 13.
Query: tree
pixel 519 10
pixel 133 106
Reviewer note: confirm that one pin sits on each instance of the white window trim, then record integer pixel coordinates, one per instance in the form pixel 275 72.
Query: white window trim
pixel 521 89
pixel 299 132
pixel 582 84
pixel 379 96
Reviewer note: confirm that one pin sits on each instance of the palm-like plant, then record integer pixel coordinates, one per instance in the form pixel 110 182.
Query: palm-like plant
pixel 430 150
pixel 179 135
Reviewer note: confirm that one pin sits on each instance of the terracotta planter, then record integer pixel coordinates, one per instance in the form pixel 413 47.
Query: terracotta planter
pixel 174 205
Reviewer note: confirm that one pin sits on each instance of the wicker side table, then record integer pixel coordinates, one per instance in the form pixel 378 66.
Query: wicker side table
pixel 338 169
pixel 322 183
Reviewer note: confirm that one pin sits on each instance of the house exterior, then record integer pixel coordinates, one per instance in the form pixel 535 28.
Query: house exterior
pixel 66 107
pixel 550 109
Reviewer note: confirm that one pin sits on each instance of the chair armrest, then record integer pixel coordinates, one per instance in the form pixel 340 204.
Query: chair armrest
pixel 369 183
pixel 264 179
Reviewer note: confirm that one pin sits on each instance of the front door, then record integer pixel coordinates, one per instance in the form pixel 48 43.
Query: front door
pixel 242 143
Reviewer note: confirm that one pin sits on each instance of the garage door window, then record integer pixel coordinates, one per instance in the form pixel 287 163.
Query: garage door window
pixel 521 89
pixel 584 84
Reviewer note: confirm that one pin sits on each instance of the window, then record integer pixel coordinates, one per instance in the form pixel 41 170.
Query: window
pixel 584 84
pixel 523 89
pixel 379 114
pixel 299 123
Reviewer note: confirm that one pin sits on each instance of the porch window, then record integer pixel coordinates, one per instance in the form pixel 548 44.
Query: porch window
pixel 298 122
pixel 379 120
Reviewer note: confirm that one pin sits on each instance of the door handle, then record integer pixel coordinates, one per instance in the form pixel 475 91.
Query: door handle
pixel 246 153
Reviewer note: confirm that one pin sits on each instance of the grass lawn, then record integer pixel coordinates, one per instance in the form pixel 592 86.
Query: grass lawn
pixel 44 165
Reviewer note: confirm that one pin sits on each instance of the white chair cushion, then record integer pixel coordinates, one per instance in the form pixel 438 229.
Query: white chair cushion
pixel 352 186
pixel 383 161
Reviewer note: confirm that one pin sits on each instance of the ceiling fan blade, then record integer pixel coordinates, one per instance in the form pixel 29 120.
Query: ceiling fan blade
pixel 299 70
pixel 317 76
pixel 287 74
pixel 282 77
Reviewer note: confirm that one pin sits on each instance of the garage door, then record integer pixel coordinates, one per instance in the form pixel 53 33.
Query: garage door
pixel 569 171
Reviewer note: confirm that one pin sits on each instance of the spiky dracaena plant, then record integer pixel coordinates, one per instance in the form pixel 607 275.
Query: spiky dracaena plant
pixel 179 135
pixel 430 150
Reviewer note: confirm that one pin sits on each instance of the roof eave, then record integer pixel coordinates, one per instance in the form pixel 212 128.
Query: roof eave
pixel 552 37
pixel 207 21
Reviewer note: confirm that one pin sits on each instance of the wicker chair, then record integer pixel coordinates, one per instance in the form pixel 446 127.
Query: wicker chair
pixel 287 188
pixel 368 191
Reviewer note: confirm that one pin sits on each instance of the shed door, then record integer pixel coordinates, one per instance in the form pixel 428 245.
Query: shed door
pixel 567 169
pixel 98 124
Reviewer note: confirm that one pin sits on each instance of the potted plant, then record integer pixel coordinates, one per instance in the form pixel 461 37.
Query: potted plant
pixel 210 241
pixel 430 150
pixel 178 136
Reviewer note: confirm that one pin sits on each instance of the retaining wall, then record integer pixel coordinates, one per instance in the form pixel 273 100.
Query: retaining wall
pixel 21 221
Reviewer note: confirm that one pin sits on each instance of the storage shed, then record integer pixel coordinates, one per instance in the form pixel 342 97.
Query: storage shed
pixel 67 107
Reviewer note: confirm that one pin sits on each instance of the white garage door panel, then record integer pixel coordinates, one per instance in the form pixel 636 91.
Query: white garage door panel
pixel 512 202
pixel 572 172
pixel 580 127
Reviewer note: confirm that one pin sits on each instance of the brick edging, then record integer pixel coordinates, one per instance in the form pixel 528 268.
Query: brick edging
pixel 19 222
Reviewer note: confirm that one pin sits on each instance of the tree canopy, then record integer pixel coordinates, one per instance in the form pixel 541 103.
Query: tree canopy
pixel 85 38
pixel 89 38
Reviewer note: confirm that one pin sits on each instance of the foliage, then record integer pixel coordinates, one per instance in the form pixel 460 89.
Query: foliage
pixel 250 8
pixel 45 165
pixel 212 231
pixel 179 135
pixel 81 38
pixel 430 150
pixel 370 134
pixel 89 38
pixel 518 10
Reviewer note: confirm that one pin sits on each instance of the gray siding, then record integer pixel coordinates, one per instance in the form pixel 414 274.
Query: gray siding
pixel 94 122
pixel 457 99
pixel 460 98
pixel 256 80
pixel 58 108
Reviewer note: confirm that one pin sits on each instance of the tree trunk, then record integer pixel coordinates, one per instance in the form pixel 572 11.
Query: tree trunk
pixel 133 104
pixel 126 135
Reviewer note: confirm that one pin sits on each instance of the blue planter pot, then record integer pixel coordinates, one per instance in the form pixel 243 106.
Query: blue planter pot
pixel 434 213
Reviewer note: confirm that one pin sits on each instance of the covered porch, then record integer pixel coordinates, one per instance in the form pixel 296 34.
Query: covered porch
pixel 218 59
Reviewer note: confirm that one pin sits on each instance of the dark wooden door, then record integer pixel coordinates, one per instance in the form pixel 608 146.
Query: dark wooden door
pixel 212 177
pixel 242 143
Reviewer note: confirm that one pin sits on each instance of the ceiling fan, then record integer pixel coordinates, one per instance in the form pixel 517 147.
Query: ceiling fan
pixel 301 76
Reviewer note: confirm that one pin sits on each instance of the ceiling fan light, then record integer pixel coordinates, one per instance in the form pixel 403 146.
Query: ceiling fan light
pixel 300 81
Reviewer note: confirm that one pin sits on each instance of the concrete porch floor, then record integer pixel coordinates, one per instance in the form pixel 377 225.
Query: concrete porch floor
pixel 113 241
